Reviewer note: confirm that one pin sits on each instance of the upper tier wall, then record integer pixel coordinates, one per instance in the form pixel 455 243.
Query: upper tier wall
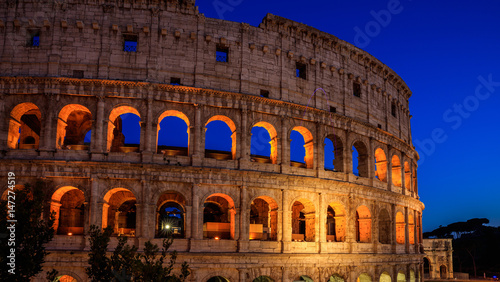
pixel 174 40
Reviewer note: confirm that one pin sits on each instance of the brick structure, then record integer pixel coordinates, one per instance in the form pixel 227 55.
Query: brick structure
pixel 72 69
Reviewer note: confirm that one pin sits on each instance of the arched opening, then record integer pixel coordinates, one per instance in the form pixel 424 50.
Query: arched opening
pixel 303 221
pixel 119 211
pixel 400 228
pixel 364 277
pixel 380 165
pixel 124 130
pixel 412 276
pixel 359 159
pixel 334 153
pixel 335 223
pixel 443 273
pixel 220 138
pixel 218 279
pixel 336 278
pixel 401 277
pixel 263 279
pixel 218 217
pixel 68 205
pixel 385 277
pixel 170 215
pixel 301 147
pixel 396 171
pixel 73 124
pixel 264 219
pixel 363 225
pixel 173 134
pixel 407 176
pixel 427 268
pixel 411 229
pixel 24 127
pixel 384 235
pixel 264 143
pixel 66 278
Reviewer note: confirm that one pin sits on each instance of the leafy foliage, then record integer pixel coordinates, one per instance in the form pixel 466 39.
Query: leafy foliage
pixel 127 264
pixel 31 232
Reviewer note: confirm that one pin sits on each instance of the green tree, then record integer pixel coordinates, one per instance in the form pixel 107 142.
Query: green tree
pixel 22 246
pixel 127 264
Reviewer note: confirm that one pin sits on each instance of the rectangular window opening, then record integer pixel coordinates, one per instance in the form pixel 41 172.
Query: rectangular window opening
pixel 301 70
pixel 356 89
pixel 393 110
pixel 175 81
pixel 222 54
pixel 33 38
pixel 379 126
pixel 333 109
pixel 130 43
pixel 264 93
pixel 78 73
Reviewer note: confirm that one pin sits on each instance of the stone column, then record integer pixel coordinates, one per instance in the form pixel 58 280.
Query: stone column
pixel 287 218
pixel 94 200
pixel 407 233
pixel 47 142
pixel 348 161
pixel 244 215
pixel 415 232
pixel 86 217
pixel 322 212
pixel 188 218
pixel 350 223
pixel 148 148
pixel 393 228
pixel 198 146
pixel 196 224
pixel 99 136
pixel 371 160
pixel 235 221
pixel 140 220
pixel 389 168
pixel 242 276
pixel 245 137
pixel 285 144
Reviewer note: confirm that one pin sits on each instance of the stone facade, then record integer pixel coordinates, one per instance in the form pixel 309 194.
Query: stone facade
pixel 74 67
pixel 439 256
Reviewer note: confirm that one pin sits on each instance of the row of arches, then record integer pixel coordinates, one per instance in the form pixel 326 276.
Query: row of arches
pixel 124 134
pixel 119 209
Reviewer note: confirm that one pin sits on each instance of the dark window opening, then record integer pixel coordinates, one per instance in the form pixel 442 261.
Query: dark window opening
pixel 264 93
pixel 78 73
pixel 301 70
pixel 222 54
pixel 34 38
pixel 379 126
pixel 130 43
pixel 175 81
pixel 333 109
pixel 356 89
pixel 393 110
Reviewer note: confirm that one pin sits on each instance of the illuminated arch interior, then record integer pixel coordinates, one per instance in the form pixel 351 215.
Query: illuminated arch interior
pixel 335 223
pixel 119 211
pixel 220 138
pixel 363 225
pixel 73 124
pixel 301 137
pixel 24 127
pixel 264 219
pixel 384 236
pixel 380 165
pixel 218 217
pixel 400 228
pixel 359 159
pixel 124 130
pixel 172 136
pixel 264 143
pixel 303 221
pixel 334 153
pixel 170 215
pixel 68 205
pixel 396 171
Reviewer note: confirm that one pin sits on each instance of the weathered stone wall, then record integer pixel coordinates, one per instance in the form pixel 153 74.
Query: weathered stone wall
pixel 439 253
pixel 174 40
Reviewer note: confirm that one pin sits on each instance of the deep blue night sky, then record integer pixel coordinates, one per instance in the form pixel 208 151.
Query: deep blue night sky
pixel 439 48
pixel 446 51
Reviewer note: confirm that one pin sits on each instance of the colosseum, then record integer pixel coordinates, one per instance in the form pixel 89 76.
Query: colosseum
pixel 78 75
